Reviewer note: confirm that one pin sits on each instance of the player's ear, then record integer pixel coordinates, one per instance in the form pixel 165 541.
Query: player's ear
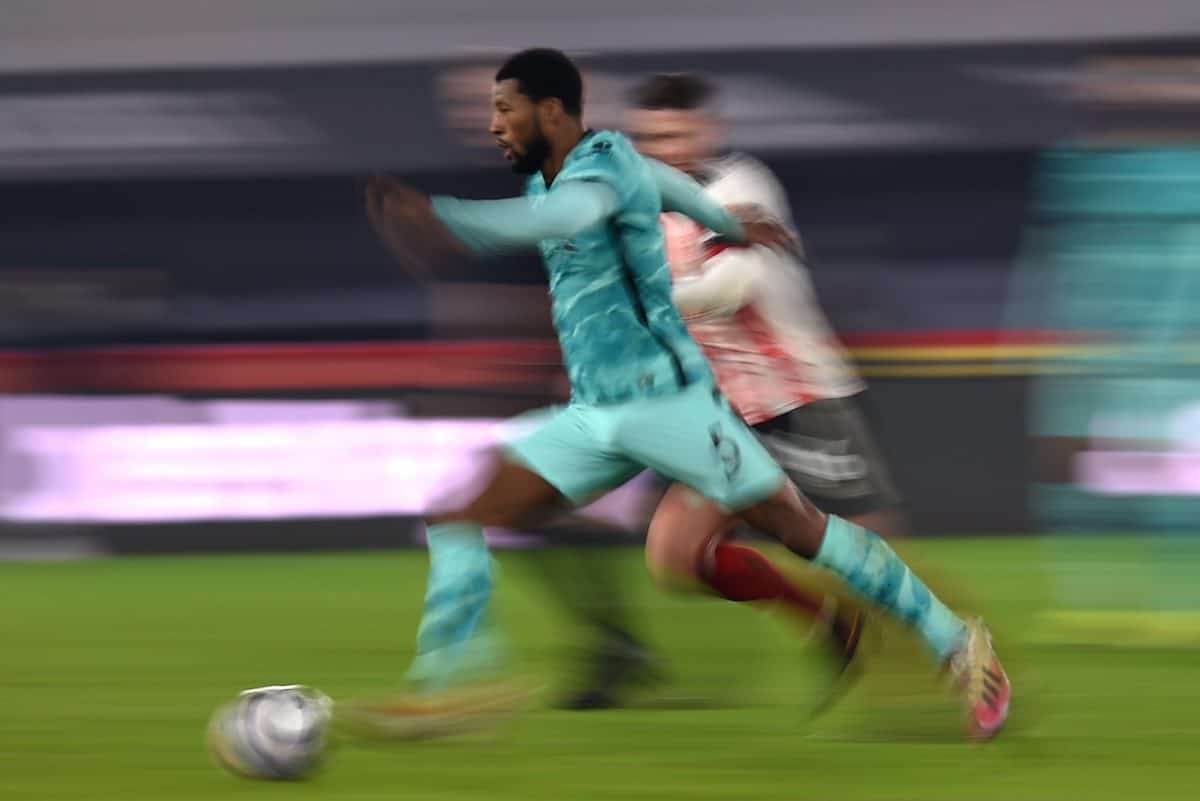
pixel 550 109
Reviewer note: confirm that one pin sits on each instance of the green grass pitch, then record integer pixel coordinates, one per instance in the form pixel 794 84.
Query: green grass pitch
pixel 110 668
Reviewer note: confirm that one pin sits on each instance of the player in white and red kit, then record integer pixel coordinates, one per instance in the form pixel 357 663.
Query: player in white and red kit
pixel 755 314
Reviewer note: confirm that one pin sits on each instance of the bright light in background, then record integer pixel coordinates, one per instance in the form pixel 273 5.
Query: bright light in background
pixel 240 461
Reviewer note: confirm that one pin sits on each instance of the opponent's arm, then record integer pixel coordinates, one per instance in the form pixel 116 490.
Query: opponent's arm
pixel 737 276
pixel 730 280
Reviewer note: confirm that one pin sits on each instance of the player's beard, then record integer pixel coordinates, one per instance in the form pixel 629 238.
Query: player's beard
pixel 535 155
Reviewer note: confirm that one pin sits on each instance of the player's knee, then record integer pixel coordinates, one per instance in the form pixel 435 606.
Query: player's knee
pixel 672 567
pixel 678 534
pixel 665 560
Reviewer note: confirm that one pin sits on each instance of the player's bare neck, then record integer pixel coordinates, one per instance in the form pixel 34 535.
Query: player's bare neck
pixel 561 145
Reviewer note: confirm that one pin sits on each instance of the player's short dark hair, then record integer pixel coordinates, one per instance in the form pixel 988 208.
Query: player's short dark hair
pixel 676 91
pixel 543 73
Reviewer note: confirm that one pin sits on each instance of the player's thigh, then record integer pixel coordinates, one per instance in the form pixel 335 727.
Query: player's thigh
pixel 505 493
pixel 827 450
pixel 628 507
pixel 684 525
pixel 567 454
pixel 693 437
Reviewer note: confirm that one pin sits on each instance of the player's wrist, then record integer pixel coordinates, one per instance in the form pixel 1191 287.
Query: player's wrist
pixel 446 212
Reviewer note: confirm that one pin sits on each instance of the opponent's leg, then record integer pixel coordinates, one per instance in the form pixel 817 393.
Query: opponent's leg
pixel 688 547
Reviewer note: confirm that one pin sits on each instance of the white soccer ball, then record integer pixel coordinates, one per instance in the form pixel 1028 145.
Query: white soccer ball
pixel 277 732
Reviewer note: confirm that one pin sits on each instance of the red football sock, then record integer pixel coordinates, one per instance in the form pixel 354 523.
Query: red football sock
pixel 738 573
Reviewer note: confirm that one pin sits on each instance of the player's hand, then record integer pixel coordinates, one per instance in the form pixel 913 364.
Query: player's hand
pixel 391 203
pixel 404 220
pixel 763 229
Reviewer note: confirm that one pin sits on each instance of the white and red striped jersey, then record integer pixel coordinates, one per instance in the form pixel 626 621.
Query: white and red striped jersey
pixel 753 310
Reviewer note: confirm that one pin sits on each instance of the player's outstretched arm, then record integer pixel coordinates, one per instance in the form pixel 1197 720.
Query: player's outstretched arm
pixel 681 193
pixel 419 230
pixel 487 226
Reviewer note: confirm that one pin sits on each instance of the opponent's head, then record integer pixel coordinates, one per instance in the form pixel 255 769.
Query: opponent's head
pixel 538 94
pixel 672 120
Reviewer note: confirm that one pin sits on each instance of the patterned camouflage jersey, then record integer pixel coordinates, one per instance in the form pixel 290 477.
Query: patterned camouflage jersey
pixel 621 335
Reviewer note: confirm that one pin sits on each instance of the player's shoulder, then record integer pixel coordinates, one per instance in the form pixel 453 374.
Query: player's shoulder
pixel 741 167
pixel 608 151
pixel 741 178
pixel 606 142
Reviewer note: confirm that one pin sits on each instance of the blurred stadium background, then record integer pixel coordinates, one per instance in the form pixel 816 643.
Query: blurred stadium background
pixel 203 349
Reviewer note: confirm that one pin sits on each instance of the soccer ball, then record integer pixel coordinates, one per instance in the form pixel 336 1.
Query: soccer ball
pixel 275 732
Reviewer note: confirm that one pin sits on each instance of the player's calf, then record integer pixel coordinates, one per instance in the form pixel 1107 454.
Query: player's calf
pixel 869 565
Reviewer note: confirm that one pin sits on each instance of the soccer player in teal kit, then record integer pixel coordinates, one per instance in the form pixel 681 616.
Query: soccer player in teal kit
pixel 643 395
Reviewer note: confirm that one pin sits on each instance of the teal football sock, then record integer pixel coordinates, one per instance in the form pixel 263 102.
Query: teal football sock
pixel 871 567
pixel 454 639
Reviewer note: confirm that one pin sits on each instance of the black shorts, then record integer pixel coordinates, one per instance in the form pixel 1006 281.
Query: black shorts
pixel 826 448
